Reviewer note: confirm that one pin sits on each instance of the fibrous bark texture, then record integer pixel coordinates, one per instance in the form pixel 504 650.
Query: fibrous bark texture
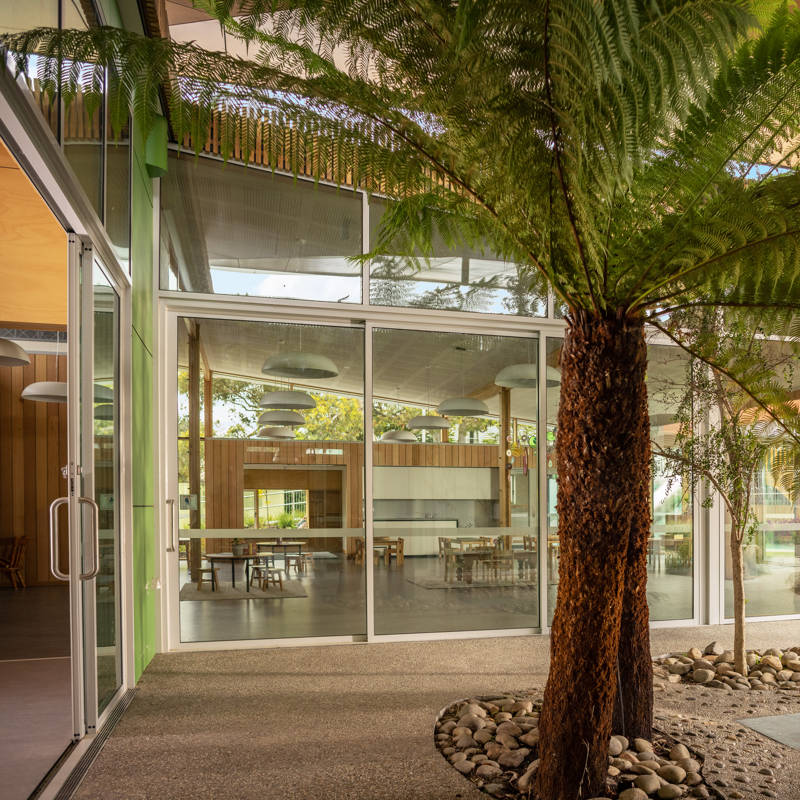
pixel 602 453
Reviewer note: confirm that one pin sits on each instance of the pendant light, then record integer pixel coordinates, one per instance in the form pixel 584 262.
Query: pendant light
pixel 46 392
pixel 12 355
pixel 104 411
pixel 56 392
pixel 288 399
pixel 525 376
pixel 463 406
pixel 276 432
pixel 300 365
pixel 428 421
pixel 398 436
pixel 285 418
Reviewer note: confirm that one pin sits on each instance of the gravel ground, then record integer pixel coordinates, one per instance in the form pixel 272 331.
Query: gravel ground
pixel 356 721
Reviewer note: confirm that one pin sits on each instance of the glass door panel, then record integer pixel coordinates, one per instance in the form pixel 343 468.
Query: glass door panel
pixel 454 479
pixel 99 502
pixel 268 500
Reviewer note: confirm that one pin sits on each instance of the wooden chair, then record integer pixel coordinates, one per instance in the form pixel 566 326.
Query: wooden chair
pixel 359 552
pixel 266 576
pixel 201 579
pixel 308 561
pixel 13 563
pixel 450 560
pixel 380 551
pixel 295 561
pixel 396 548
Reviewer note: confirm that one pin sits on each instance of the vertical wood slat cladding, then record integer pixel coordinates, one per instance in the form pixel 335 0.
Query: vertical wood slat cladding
pixel 225 460
pixel 33 448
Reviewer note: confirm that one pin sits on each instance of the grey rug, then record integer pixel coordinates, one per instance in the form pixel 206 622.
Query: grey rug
pixel 225 591
pixel 438 583
pixel 784 729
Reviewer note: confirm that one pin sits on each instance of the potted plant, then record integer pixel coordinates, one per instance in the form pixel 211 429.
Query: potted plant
pixel 239 547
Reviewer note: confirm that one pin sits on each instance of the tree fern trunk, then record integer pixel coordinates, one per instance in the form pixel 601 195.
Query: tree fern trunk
pixel 633 709
pixel 737 568
pixel 602 451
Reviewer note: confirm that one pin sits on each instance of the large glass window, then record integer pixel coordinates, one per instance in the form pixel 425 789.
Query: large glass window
pixel 771 555
pixel 454 482
pixel 229 229
pixel 670 561
pixel 270 480
pixel 461 279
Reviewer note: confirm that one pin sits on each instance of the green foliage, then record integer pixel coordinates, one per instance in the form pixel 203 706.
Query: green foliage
pixel 608 148
pixel 740 435
pixel 286 520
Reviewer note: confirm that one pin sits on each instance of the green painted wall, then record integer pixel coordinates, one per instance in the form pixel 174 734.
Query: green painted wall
pixel 145 561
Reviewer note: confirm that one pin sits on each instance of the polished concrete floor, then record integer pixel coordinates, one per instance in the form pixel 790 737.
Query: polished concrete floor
pixel 335 604
pixel 350 722
pixel 35 686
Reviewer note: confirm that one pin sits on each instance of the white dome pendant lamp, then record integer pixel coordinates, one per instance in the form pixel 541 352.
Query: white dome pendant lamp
pixel 463 406
pixel 300 401
pixel 276 432
pixel 284 418
pixel 300 365
pixel 398 436
pixel 12 355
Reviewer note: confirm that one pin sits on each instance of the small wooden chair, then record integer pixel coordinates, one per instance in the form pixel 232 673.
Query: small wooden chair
pixel 396 548
pixel 358 556
pixel 12 564
pixel 308 561
pixel 295 561
pixel 201 579
pixel 266 576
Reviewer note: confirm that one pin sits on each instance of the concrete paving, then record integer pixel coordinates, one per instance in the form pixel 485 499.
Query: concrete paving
pixel 352 721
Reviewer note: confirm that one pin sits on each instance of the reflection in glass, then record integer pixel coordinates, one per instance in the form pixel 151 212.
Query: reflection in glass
pixel 244 231
pixel 455 518
pixel 461 279
pixel 670 561
pixel 772 555
pixel 106 486
pixel 275 526
pixel 118 194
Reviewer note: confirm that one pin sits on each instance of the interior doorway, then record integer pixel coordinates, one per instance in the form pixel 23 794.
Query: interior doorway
pixel 35 661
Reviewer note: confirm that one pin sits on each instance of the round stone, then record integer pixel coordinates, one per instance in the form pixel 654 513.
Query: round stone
pixel 669 791
pixel 679 751
pixel 703 675
pixel 648 783
pixel 488 771
pixel 464 767
pixel 672 773
pixel 642 746
pixel 634 793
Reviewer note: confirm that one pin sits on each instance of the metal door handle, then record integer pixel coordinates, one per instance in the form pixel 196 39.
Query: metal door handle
pixel 171 504
pixel 54 559
pixel 92 573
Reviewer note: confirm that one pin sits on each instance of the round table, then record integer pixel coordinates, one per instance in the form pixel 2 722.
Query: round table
pixel 247 558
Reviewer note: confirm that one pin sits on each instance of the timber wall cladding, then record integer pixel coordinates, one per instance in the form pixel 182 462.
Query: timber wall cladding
pixel 225 473
pixel 33 448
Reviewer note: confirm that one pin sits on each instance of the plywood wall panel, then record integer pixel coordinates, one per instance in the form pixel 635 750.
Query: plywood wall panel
pixel 33 448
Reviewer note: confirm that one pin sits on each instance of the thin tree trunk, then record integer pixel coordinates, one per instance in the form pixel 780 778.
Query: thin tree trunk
pixel 737 566
pixel 602 453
